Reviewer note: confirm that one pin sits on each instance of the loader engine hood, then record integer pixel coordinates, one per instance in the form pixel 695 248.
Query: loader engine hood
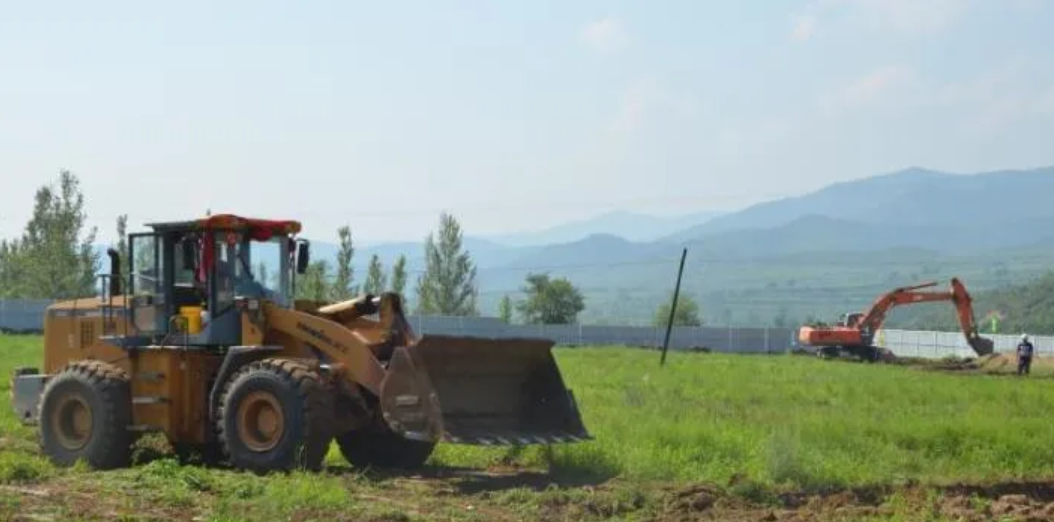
pixel 480 391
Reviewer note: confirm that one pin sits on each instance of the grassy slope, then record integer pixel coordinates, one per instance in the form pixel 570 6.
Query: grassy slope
pixel 779 422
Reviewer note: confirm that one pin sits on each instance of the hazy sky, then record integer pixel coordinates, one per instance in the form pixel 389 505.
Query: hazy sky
pixel 381 115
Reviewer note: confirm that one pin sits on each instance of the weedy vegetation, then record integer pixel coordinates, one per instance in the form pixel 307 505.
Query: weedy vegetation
pixel 750 435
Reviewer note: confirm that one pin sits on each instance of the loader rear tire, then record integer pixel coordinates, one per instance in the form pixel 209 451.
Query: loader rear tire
pixel 85 412
pixel 275 414
pixel 373 447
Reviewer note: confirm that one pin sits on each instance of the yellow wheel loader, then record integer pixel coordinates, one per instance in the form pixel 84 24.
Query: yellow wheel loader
pixel 224 362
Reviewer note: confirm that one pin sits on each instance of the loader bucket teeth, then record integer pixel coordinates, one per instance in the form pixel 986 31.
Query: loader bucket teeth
pixel 486 391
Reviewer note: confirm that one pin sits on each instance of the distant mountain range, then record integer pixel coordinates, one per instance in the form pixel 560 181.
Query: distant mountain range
pixel 913 208
pixel 632 226
pixel 839 246
pixel 915 197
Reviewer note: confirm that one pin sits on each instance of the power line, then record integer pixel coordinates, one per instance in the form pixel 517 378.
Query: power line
pixel 702 263
pixel 483 206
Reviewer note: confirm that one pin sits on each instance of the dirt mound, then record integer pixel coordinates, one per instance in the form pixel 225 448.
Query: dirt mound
pixel 1004 501
pixel 994 364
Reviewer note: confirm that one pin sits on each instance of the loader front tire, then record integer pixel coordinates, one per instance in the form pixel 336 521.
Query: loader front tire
pixel 274 415
pixel 85 412
pixel 377 447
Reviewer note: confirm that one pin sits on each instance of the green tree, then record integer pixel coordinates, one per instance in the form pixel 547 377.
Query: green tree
pixel 505 309
pixel 782 319
pixel 375 277
pixel 550 301
pixel 314 283
pixel 687 313
pixel 342 287
pixel 448 284
pixel 54 258
pixel 11 268
pixel 398 280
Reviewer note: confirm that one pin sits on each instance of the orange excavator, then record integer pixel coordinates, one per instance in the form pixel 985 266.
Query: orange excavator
pixel 855 331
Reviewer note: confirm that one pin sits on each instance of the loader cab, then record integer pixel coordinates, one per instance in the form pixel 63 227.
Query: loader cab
pixel 189 281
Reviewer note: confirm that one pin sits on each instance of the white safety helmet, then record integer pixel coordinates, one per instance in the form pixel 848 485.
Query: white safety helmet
pixel 1024 337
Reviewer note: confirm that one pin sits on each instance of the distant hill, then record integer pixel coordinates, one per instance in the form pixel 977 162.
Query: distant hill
pixel 484 252
pixel 914 197
pixel 813 233
pixel 631 226
pixel 596 249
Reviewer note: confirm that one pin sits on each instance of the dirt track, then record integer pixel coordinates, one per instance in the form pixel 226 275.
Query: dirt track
pixel 994 364
pixel 1008 501
pixel 450 494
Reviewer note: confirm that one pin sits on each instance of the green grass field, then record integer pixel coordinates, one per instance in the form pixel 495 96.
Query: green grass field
pixel 754 427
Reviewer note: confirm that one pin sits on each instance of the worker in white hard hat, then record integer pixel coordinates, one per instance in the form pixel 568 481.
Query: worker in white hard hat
pixel 1024 355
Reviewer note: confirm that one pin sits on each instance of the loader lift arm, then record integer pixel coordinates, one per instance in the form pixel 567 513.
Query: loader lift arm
pixel 463 390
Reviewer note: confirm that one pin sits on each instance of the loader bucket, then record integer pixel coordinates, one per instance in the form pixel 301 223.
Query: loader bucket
pixel 480 391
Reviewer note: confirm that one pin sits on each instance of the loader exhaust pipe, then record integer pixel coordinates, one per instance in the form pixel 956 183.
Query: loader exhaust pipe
pixel 115 271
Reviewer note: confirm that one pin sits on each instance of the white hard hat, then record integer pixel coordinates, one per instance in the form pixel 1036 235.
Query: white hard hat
pixel 1024 337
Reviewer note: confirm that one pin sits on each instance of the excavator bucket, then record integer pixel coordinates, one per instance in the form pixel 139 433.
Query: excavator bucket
pixel 480 391
pixel 981 345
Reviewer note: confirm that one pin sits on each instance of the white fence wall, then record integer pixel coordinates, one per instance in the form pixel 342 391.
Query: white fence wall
pixel 933 345
pixel 26 315
pixel 22 314
pixel 743 340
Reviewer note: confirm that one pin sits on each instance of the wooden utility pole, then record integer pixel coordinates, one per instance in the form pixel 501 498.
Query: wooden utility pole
pixel 673 308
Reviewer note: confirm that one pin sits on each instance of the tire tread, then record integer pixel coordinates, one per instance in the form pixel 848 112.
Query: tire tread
pixel 111 383
pixel 313 397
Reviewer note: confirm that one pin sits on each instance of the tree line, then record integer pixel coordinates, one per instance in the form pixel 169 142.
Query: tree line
pixel 54 258
pixel 446 286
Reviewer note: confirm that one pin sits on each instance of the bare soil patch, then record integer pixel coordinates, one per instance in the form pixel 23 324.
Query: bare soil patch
pixel 1019 501
pixel 507 495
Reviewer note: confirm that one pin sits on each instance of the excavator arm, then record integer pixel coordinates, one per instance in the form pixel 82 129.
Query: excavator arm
pixel 967 320
pixel 875 317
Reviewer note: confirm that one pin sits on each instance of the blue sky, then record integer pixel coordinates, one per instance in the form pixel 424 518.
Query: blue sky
pixel 511 115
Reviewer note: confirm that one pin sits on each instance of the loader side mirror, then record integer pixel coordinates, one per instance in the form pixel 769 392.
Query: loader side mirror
pixel 189 257
pixel 302 257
